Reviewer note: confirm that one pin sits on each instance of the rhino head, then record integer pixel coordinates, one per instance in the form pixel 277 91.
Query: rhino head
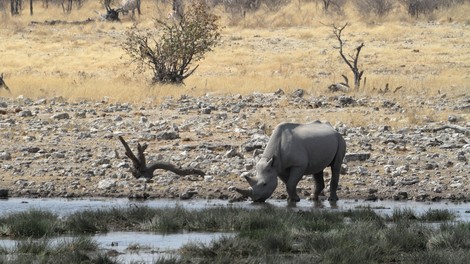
pixel 263 185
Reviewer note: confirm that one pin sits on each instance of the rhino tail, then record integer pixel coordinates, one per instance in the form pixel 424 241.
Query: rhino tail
pixel 340 151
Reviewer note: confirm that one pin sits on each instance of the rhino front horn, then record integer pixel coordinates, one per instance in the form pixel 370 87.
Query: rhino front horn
pixel 250 180
pixel 245 192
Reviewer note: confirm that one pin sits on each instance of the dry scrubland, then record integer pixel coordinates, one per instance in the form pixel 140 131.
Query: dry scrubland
pixel 288 49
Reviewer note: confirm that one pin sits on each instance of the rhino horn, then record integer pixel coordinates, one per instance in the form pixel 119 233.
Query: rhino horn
pixel 250 180
pixel 245 192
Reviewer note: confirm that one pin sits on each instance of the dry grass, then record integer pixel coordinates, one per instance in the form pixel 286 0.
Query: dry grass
pixel 262 52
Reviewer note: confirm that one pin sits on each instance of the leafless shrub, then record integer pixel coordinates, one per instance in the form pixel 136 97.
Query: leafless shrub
pixel 351 60
pixel 275 5
pixel 3 84
pixel 421 7
pixel 376 7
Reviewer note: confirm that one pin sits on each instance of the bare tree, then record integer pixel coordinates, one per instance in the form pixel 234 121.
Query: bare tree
pixel 337 5
pixel 3 84
pixel 142 170
pixel 15 7
pixel 352 61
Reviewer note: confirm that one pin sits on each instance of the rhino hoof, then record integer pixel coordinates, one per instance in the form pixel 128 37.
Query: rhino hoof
pixel 293 200
pixel 333 198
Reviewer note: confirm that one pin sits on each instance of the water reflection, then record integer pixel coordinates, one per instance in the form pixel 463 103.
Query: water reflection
pixel 62 207
pixel 141 247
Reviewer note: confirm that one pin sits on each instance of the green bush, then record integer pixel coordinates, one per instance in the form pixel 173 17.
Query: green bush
pixel 171 49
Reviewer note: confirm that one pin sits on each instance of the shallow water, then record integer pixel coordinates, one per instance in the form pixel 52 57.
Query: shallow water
pixel 62 206
pixel 141 247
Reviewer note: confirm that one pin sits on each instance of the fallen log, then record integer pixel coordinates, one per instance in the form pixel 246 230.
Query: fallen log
pixel 63 22
pixel 141 170
pixel 458 129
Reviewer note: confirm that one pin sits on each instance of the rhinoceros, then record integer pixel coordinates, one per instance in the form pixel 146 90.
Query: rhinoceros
pixel 295 150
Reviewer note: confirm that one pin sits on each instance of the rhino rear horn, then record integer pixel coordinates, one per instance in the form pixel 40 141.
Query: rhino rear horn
pixel 245 192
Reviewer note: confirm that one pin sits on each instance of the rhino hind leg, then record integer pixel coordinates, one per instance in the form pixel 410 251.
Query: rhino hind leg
pixel 335 171
pixel 319 185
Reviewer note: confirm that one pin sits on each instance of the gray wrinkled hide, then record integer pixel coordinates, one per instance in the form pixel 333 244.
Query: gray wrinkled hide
pixel 295 150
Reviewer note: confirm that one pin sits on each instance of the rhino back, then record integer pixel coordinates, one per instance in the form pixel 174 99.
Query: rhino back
pixel 312 146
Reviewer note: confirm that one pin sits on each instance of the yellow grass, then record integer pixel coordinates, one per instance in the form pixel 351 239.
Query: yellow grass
pixel 262 52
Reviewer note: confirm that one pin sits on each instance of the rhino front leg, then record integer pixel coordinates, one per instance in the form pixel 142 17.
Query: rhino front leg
pixel 295 175
pixel 319 185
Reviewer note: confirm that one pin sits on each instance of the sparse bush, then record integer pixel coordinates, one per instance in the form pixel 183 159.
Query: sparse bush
pixel 275 5
pixel 421 7
pixel 171 49
pixel 376 7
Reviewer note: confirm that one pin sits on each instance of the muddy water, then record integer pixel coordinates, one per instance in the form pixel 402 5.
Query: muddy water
pixel 64 207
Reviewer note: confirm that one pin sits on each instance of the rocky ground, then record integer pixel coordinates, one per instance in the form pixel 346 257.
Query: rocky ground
pixel 54 148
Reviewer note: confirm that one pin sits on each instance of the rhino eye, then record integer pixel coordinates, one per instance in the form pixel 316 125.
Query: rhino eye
pixel 264 184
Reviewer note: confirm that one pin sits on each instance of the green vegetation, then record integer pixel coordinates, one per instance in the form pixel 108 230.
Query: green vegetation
pixel 43 251
pixel 429 216
pixel 182 41
pixel 33 223
pixel 264 235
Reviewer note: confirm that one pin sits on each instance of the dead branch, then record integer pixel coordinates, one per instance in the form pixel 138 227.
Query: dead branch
pixel 3 84
pixel 353 60
pixel 141 170
pixel 458 129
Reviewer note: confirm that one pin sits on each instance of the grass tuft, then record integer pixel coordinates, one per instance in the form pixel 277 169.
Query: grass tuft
pixel 33 223
pixel 263 235
pixel 437 215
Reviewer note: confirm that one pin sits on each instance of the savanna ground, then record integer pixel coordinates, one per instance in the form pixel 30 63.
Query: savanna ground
pixel 266 50
pixel 291 48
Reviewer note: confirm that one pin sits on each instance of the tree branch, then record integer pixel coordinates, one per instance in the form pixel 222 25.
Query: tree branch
pixel 141 170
